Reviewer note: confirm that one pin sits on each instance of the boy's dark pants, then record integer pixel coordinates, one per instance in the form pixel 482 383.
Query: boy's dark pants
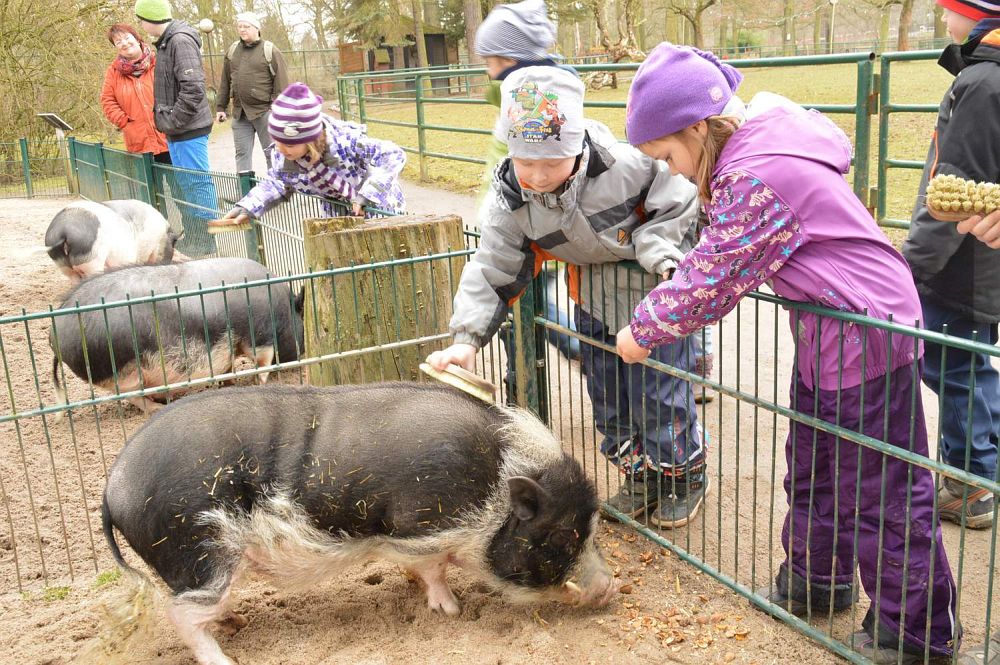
pixel 648 418
pixel 896 529
pixel 957 392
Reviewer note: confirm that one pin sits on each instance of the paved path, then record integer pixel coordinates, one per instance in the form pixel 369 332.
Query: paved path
pixel 419 199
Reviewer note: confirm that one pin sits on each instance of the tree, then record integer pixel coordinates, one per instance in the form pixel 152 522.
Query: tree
pixel 905 21
pixel 626 45
pixel 472 12
pixel 692 12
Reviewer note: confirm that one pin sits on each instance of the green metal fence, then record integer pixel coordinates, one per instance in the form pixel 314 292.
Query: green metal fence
pixel 36 167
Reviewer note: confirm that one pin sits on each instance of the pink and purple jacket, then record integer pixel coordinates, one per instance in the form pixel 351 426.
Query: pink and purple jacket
pixel 782 213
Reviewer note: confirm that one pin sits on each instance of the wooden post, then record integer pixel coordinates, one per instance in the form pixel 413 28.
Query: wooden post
pixel 372 307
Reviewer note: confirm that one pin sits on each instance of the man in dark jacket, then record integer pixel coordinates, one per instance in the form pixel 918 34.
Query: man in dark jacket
pixel 957 276
pixel 253 74
pixel 181 112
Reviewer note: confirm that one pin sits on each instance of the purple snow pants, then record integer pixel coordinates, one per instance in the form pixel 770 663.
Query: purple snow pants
pixel 823 495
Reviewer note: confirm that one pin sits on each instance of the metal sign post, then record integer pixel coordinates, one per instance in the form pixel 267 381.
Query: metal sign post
pixel 61 127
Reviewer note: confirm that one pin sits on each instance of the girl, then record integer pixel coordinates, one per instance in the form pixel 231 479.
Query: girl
pixel 321 156
pixel 781 212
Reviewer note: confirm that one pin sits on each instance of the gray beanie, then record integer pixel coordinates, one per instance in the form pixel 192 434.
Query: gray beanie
pixel 521 31
pixel 541 113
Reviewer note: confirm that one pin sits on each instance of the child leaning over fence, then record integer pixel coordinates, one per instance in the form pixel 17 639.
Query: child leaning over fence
pixel 570 191
pixel 780 212
pixel 321 156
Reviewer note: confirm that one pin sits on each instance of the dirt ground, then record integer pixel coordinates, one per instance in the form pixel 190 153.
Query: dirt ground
pixel 54 564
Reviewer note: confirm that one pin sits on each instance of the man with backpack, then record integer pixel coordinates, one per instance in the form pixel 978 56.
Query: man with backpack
pixel 253 75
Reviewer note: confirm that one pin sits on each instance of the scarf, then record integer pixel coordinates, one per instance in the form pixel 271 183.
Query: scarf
pixel 137 68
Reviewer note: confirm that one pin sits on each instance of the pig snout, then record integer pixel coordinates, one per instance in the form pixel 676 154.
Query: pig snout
pixel 594 585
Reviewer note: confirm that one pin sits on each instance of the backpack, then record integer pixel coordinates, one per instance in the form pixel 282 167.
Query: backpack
pixel 268 54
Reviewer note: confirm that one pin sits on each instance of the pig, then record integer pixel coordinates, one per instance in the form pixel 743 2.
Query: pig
pixel 86 238
pixel 191 337
pixel 310 480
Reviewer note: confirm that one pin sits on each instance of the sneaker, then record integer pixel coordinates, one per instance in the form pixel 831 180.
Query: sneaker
pixel 977 655
pixel 887 648
pixel 977 506
pixel 634 498
pixel 797 596
pixel 680 499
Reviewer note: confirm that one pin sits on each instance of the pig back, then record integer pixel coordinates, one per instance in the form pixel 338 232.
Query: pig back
pixel 179 332
pixel 394 459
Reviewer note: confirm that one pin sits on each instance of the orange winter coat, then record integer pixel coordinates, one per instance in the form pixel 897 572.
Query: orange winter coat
pixel 128 104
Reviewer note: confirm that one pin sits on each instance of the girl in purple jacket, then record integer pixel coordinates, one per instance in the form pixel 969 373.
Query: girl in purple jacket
pixel 780 212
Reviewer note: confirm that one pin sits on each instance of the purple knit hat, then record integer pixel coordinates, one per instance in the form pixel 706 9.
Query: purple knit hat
pixel 296 116
pixel 674 88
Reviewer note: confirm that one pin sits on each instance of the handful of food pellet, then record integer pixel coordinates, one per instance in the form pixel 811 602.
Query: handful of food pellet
pixel 953 199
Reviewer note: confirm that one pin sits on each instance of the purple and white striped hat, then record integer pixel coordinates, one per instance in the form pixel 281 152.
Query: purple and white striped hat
pixel 296 116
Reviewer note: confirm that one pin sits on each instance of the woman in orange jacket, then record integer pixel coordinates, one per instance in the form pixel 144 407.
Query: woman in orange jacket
pixel 127 94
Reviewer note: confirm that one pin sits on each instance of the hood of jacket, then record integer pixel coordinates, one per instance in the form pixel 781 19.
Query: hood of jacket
pixel 177 28
pixel 777 127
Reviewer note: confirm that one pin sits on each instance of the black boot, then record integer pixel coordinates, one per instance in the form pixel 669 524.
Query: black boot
pixel 796 595
pixel 635 496
pixel 681 497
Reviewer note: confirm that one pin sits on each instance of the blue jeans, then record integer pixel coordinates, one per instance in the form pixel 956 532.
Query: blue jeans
pixel 648 418
pixel 194 195
pixel 957 396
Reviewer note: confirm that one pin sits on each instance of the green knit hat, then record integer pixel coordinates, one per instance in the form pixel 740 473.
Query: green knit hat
pixel 153 11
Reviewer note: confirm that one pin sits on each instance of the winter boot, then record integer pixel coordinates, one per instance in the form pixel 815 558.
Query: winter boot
pixel 681 497
pixel 634 497
pixel 796 595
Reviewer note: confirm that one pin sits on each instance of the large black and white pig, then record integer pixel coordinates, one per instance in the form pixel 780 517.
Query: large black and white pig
pixel 309 480
pixel 86 238
pixel 191 337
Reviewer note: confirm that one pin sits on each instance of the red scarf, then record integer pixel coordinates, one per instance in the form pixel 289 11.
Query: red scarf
pixel 137 68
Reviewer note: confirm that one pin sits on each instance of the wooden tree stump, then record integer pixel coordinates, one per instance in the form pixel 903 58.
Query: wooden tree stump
pixel 373 307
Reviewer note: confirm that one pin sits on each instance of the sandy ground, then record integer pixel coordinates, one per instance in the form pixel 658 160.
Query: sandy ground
pixel 53 560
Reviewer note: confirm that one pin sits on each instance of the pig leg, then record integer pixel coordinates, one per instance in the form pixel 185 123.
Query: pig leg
pixel 192 620
pixel 431 574
pixel 145 404
pixel 263 358
pixel 231 623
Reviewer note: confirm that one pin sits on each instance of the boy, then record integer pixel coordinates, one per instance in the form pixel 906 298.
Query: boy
pixel 570 191
pixel 958 277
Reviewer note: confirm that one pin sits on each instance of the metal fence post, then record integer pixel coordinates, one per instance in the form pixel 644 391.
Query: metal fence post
pixel 255 239
pixel 26 166
pixel 418 93
pixel 360 85
pixel 148 180
pixel 103 169
pixel 881 183
pixel 74 184
pixel 529 360
pixel 866 106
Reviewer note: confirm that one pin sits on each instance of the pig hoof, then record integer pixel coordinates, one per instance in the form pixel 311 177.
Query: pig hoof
pixel 448 606
pixel 231 624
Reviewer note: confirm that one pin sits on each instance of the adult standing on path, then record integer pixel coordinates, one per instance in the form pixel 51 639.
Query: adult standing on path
pixel 253 75
pixel 181 112
pixel 127 93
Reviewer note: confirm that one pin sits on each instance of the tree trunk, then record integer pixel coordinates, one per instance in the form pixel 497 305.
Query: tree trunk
pixel 418 33
pixel 370 308
pixel 722 28
pixel 940 32
pixel 883 29
pixel 905 20
pixel 473 14
pixel 817 31
pixel 788 28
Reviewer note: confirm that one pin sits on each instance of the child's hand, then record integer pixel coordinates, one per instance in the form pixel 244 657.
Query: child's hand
pixel 986 228
pixel 627 347
pixel 463 355
pixel 358 209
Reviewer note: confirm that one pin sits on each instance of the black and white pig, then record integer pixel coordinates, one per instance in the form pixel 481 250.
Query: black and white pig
pixel 191 337
pixel 309 480
pixel 86 238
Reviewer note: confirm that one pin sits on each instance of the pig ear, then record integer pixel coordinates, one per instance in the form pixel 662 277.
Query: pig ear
pixel 527 498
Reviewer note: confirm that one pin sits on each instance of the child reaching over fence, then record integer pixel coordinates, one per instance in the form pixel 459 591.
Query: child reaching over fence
pixel 570 191
pixel 319 155
pixel 781 212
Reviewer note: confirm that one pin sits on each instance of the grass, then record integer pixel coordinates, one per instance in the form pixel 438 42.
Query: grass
pixel 51 593
pixel 912 82
pixel 107 577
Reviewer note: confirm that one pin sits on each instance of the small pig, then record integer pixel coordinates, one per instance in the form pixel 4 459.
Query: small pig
pixel 86 238
pixel 310 480
pixel 192 337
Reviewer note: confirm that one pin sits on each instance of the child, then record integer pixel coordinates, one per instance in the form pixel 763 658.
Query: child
pixel 781 212
pixel 321 156
pixel 513 37
pixel 570 191
pixel 957 276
